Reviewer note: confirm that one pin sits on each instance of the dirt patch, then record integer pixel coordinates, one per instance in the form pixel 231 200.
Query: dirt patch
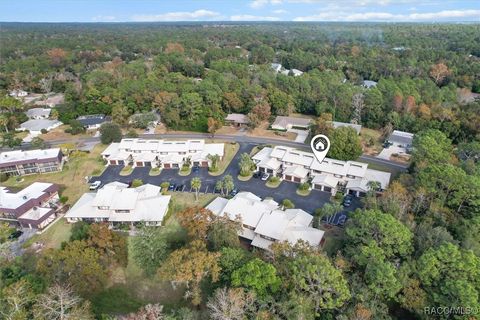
pixel 262 131
pixel 60 134
pixel 371 141
pixel 228 130
pixel 402 158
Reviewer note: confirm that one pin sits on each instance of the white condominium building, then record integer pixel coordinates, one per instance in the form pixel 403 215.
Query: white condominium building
pixel 161 153
pixel 330 175
pixel 263 221
pixel 117 204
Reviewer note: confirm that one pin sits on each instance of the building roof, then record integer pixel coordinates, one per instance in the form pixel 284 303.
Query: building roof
pixel 38 112
pixel 36 213
pixel 356 127
pixel 369 83
pixel 237 118
pixel 401 137
pixel 326 180
pixel 144 203
pixel 93 119
pixel 281 121
pixel 11 200
pixel 296 171
pixel 20 156
pixel 38 125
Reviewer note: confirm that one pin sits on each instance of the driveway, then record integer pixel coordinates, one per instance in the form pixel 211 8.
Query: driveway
pixel 286 190
pixel 16 246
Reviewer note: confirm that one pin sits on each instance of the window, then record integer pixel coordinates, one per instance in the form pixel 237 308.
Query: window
pixel 102 208
pixel 267 238
pixel 122 211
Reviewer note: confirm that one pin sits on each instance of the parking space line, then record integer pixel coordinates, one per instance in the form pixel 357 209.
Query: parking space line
pixel 206 190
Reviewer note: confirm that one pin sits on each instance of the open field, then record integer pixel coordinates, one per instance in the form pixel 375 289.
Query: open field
pixel 60 134
pixel 71 178
pixel 53 237
pixel 371 141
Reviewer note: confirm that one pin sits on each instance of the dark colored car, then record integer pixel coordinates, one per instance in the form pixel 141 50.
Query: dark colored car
pixel 257 174
pixel 234 192
pixel 179 187
pixel 195 169
pixel 172 187
pixel 347 200
pixel 15 235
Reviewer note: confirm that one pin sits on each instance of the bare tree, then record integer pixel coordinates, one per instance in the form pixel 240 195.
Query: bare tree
pixel 148 312
pixel 358 105
pixel 60 303
pixel 16 299
pixel 230 304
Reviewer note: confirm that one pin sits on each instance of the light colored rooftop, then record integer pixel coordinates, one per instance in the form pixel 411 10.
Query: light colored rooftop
pixel 38 112
pixel 9 200
pixel 281 121
pixel 20 155
pixel 356 127
pixel 39 124
pixel 237 117
pixel 36 213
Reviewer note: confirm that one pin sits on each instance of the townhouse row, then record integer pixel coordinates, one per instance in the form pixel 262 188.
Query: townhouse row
pixel 161 153
pixel 330 175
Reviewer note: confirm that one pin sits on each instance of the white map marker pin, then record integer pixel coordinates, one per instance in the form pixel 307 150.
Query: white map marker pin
pixel 320 145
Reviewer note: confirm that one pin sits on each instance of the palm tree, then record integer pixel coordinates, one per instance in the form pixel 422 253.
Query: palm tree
pixel 196 184
pixel 214 158
pixel 4 121
pixel 228 184
pixel 219 186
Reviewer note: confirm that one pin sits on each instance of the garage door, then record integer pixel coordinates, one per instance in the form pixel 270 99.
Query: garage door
pixel 353 192
pixel 269 170
pixel 204 163
pixel 196 163
pixel 327 189
pixel 113 162
pixel 297 179
pixel 289 178
pixel 318 186
pixel 121 162
pixel 261 169
pixel 175 165
pixel 148 164
pixel 139 164
pixel 167 166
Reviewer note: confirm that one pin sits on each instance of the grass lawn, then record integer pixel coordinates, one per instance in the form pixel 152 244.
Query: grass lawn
pixel 127 170
pixel 182 200
pixel 230 151
pixel 242 178
pixel 154 172
pixel 53 236
pixel 71 179
pixel 186 172
pixel 395 172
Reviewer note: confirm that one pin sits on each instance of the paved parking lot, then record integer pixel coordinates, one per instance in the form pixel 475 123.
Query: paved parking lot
pixel 286 190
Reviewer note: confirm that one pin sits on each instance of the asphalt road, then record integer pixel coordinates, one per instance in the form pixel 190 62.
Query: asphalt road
pixel 286 190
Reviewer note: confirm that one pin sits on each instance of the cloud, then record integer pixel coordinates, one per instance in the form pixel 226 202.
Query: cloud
pixel 444 15
pixel 101 18
pixel 261 3
pixel 279 11
pixel 178 16
pixel 248 17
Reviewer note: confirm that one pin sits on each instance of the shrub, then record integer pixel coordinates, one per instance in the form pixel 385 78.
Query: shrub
pixel 76 127
pixel 63 199
pixel 288 204
pixel 274 179
pixel 165 185
pixel 43 131
pixel 3 177
pixel 303 186
pixel 136 183
pixel 110 132
pixel 131 134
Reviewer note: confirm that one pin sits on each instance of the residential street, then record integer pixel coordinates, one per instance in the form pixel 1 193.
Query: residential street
pixel 286 190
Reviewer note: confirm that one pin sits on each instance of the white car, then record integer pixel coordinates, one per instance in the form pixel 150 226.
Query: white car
pixel 265 176
pixel 95 185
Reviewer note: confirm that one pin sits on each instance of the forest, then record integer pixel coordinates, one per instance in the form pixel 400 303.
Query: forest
pixel 414 248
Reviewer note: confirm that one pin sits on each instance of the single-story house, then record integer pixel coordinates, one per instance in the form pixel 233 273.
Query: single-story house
pixel 93 121
pixel 369 84
pixel 294 72
pixel 38 113
pixel 118 204
pixel 32 207
pixel 287 123
pixel 264 222
pixel 356 127
pixel 236 119
pixel 401 138
pixel 277 67
pixel 36 126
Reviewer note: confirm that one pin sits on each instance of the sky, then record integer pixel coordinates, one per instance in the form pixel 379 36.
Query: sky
pixel 239 10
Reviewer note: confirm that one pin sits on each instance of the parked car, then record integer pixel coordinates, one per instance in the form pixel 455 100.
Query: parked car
pixel 172 187
pixel 179 187
pixel 257 174
pixel 15 235
pixel 234 192
pixel 195 169
pixel 265 176
pixel 387 144
pixel 95 185
pixel 347 200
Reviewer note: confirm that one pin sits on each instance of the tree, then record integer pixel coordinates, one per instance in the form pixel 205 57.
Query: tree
pixel 76 127
pixel 228 184
pixel 120 114
pixel 345 144
pixel 450 276
pixel 60 303
pixel 373 225
pixel 110 245
pixel 147 312
pixel 10 140
pixel 196 184
pixel 190 265
pixel 213 125
pixel 260 112
pixel 245 164
pixel 110 132
pixel 430 147
pixel 77 263
pixel 223 233
pixel 262 54
pixel 38 143
pixel 196 221
pixel 16 300
pixel 288 204
pixel 79 231
pixel 150 248
pixel 230 304
pixel 323 124
pixel 4 121
pixel 57 56
pixel 439 72
pixel 358 104
pixel 257 275
pixel 136 183
pixel 328 210
pixel 131 134
pixel 214 160
pixel 314 277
